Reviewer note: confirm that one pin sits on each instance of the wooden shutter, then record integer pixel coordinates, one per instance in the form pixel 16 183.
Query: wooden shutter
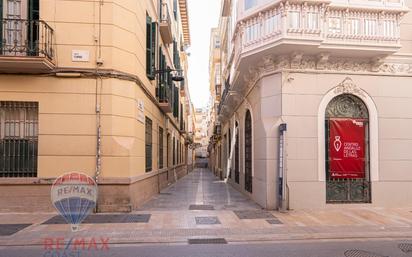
pixel 153 50
pixel 1 27
pixel 148 143
pixel 149 38
pixel 176 102
pixel 175 9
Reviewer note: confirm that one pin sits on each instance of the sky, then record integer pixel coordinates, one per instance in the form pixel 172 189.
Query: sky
pixel 203 16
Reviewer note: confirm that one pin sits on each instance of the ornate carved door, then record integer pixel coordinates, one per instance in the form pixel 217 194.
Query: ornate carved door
pixel 248 152
pixel 347 151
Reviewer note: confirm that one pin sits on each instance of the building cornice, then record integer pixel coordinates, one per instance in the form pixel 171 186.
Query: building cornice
pixel 184 14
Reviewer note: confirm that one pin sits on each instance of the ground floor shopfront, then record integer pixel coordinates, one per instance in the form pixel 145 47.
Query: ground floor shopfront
pixel 345 138
pixel 108 128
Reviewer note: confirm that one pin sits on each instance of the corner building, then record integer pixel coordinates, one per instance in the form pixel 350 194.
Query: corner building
pixel 91 86
pixel 318 100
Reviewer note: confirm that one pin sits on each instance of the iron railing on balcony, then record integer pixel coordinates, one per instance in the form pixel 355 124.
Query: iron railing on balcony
pixel 26 38
pixel 164 93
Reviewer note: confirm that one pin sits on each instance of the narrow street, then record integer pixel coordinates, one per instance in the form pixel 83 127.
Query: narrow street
pixel 200 215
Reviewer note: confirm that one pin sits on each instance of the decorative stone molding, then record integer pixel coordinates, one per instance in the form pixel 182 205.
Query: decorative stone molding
pixel 325 62
pixel 349 87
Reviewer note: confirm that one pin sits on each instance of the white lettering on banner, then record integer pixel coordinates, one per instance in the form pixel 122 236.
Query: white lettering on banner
pixel 350 150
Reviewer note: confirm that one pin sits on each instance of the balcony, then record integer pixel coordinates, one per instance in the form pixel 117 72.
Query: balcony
pixel 164 96
pixel 26 46
pixel 165 24
pixel 347 28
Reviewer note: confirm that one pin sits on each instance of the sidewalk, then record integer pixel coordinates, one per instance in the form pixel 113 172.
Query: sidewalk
pixel 226 214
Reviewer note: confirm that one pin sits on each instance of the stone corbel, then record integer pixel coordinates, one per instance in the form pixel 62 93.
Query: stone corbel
pixel 322 61
pixel 296 60
pixel 268 63
pixel 282 62
pixel 377 62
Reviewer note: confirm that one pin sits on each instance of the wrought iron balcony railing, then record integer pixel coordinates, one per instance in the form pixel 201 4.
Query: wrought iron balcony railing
pixel 23 38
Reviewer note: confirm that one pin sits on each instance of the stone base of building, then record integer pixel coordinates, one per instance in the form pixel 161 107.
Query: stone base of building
pixel 115 195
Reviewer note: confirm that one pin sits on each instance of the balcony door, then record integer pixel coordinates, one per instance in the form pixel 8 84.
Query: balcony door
pixel 15 27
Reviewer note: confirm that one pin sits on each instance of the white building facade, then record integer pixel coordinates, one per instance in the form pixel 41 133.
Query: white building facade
pixel 317 111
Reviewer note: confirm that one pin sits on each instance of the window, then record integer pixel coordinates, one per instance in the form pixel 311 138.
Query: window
pixel 312 20
pixel 248 152
pixel 370 27
pixel 272 24
pixel 389 28
pixel 217 74
pixel 148 142
pixel 217 42
pixel 249 4
pixel 175 9
pixel 174 151
pixel 176 56
pixel 335 25
pixel 178 152
pixel 294 20
pixel 175 101
pixel 150 47
pixel 160 148
pixel 354 26
pixel 252 32
pixel 18 139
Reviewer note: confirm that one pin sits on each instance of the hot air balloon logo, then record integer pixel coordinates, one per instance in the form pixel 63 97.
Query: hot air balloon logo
pixel 74 195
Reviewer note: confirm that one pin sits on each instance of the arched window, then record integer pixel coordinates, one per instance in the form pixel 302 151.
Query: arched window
pixel 347 150
pixel 248 152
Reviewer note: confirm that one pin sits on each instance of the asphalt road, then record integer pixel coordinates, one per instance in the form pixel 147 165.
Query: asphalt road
pixel 277 249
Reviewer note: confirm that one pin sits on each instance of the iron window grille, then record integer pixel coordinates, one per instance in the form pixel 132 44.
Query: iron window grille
pixel 18 139
pixel 160 148
pixel 148 141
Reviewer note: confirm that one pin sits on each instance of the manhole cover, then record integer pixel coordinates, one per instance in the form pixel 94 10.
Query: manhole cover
pixel 10 229
pixel 201 207
pixel 207 220
pixel 106 218
pixel 274 222
pixel 254 214
pixel 361 253
pixel 406 248
pixel 207 241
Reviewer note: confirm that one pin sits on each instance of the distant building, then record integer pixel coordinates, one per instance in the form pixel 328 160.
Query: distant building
pixel 201 132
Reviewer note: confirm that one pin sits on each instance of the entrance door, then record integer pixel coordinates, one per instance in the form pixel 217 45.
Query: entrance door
pixel 248 152
pixel 347 151
pixel 237 154
pixel 15 27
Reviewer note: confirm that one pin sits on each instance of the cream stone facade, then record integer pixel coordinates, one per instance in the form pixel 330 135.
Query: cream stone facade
pixel 98 102
pixel 288 63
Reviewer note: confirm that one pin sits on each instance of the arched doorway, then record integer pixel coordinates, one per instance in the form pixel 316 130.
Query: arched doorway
pixel 347 150
pixel 237 153
pixel 248 152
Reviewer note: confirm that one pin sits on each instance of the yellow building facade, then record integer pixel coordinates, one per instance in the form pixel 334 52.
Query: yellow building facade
pixel 95 87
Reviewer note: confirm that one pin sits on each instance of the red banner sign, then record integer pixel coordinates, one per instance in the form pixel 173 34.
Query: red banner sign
pixel 347 148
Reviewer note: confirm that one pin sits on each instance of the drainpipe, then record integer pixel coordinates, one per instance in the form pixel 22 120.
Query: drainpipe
pixel 98 100
pixel 282 182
